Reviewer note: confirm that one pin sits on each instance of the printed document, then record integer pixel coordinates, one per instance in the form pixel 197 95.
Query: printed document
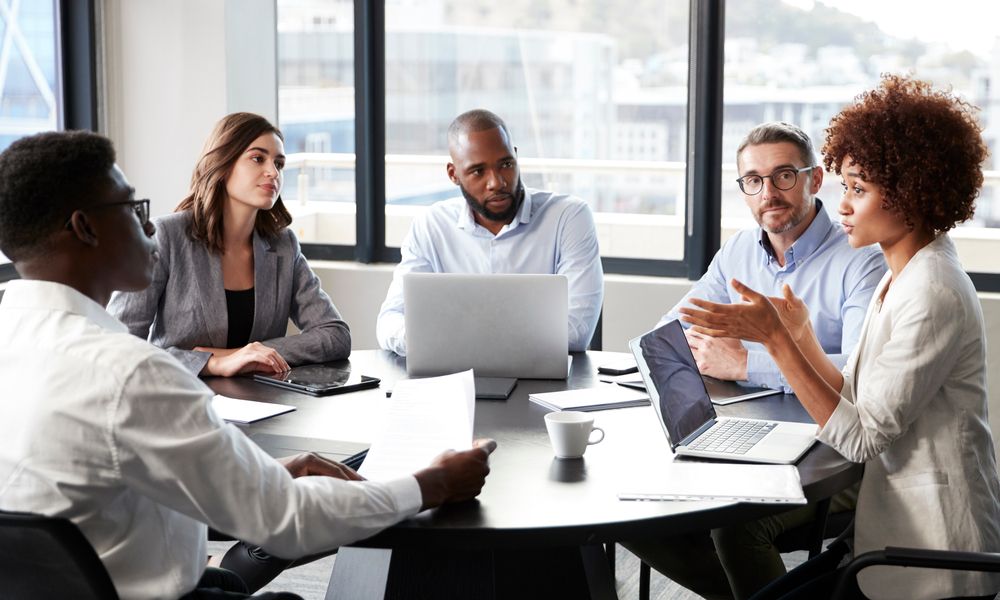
pixel 425 418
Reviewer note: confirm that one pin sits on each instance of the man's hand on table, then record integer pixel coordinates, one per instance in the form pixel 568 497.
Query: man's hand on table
pixel 310 463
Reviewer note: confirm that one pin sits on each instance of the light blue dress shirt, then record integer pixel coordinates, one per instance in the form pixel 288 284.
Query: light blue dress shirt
pixel 834 280
pixel 551 233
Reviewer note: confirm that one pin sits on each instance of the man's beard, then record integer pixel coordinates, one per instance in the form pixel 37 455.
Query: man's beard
pixel 793 221
pixel 517 199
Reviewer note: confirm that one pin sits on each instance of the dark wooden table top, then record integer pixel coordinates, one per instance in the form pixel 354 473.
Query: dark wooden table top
pixel 532 498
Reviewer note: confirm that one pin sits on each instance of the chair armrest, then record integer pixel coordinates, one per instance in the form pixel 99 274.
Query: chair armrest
pixel 952 560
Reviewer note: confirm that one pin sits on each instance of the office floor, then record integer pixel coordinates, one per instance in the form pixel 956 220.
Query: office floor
pixel 309 581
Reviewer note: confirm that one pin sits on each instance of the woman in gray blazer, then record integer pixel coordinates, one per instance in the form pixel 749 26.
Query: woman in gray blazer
pixel 911 402
pixel 230 272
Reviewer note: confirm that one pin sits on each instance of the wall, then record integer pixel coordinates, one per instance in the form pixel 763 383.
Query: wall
pixel 167 80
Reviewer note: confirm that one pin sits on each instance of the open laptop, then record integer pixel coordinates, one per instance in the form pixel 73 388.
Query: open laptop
pixel 677 393
pixel 497 325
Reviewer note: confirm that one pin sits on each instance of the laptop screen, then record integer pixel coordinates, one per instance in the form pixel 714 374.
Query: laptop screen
pixel 675 387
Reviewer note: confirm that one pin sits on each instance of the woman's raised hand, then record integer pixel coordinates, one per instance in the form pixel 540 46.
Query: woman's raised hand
pixel 756 319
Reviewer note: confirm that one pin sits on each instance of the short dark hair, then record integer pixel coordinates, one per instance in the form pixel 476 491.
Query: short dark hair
pixel 475 120
pixel 777 132
pixel 43 179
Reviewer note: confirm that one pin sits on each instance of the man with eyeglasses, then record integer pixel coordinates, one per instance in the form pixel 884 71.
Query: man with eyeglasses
pixel 796 243
pixel 108 431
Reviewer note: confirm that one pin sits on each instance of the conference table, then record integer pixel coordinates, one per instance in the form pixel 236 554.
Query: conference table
pixel 539 527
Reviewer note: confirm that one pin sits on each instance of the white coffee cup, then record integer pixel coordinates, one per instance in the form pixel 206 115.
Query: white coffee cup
pixel 570 432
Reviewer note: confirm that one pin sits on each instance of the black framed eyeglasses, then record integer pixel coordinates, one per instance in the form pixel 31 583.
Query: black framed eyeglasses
pixel 139 207
pixel 784 179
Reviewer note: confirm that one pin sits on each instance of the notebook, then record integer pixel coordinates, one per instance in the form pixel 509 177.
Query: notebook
pixel 498 325
pixel 586 399
pixel 681 401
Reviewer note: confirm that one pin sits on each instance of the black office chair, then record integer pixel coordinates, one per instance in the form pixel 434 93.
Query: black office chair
pixel 48 557
pixel 918 557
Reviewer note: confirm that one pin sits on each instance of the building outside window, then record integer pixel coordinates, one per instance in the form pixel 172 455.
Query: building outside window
pixel 584 88
pixel 804 61
pixel 595 95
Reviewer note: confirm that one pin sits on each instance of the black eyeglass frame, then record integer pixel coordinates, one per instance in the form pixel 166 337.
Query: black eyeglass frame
pixel 773 180
pixel 139 207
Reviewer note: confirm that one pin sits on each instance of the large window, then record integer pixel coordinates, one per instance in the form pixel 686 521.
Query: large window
pixel 316 115
pixel 29 93
pixel 803 61
pixel 595 99
pixel 596 95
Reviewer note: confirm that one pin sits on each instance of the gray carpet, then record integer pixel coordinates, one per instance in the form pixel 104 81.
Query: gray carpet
pixel 309 581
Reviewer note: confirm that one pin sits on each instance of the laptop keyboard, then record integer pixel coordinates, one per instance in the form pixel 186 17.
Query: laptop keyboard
pixel 733 436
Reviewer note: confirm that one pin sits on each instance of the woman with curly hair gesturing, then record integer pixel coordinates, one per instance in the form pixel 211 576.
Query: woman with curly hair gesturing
pixel 911 402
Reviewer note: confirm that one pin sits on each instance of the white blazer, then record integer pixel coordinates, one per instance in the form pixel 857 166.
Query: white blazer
pixel 913 409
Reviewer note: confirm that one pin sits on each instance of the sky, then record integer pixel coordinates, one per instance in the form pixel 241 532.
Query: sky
pixel 963 25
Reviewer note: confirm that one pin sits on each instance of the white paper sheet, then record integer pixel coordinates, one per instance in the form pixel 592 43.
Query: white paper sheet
pixel 730 482
pixel 425 418
pixel 246 411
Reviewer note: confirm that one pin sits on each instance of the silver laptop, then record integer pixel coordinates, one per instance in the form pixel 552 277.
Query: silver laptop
pixel 497 325
pixel 685 410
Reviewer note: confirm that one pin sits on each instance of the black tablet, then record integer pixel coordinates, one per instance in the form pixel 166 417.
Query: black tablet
pixel 319 380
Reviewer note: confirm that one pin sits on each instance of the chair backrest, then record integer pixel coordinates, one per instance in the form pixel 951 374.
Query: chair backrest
pixel 48 557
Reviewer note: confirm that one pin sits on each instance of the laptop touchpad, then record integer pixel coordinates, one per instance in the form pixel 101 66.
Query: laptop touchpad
pixel 786 440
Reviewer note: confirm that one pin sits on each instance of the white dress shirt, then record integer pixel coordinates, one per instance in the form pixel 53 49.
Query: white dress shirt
pixel 913 409
pixel 114 434
pixel 551 233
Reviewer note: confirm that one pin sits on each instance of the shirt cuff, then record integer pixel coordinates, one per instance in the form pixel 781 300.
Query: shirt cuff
pixel 762 371
pixel 406 493
pixel 838 425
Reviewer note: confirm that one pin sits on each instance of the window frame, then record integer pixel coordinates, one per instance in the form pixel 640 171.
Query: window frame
pixel 76 36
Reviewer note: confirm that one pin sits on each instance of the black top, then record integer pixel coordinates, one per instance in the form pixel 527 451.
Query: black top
pixel 239 305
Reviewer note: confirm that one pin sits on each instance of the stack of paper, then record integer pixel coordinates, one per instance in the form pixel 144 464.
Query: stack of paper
pixel 246 411
pixel 597 398
pixel 425 418
pixel 728 482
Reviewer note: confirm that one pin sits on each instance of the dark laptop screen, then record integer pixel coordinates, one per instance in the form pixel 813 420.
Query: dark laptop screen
pixel 672 378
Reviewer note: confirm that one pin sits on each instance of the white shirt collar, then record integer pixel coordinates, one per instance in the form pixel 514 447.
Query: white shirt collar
pixel 49 295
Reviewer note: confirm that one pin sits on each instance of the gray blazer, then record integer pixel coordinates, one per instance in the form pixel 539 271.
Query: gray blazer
pixel 185 305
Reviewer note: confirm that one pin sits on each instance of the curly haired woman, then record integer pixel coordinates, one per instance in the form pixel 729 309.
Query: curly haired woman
pixel 911 402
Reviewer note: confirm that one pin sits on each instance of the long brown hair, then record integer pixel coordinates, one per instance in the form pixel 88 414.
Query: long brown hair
pixel 231 136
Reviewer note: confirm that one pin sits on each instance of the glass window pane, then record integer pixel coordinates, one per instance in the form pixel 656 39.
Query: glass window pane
pixel 29 92
pixel 316 115
pixel 803 61
pixel 595 98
